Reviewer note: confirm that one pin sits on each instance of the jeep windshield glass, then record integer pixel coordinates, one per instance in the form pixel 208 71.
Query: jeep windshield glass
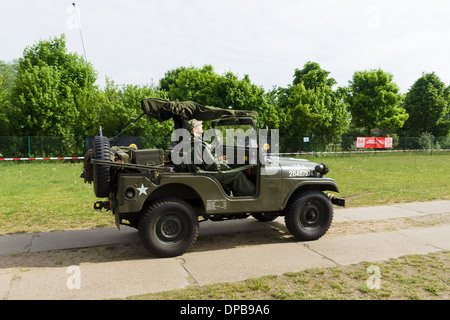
pixel 237 135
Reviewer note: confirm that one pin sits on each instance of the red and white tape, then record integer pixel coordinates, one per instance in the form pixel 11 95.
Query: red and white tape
pixel 45 158
pixel 271 154
pixel 355 152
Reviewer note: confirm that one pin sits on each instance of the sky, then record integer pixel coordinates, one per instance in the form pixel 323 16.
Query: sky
pixel 138 41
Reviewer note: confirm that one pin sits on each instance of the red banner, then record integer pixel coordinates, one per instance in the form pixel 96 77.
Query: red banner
pixel 372 142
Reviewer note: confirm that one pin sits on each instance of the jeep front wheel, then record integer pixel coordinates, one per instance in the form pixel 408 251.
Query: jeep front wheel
pixel 309 215
pixel 168 227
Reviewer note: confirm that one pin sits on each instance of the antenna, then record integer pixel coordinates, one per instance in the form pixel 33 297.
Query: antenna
pixel 86 61
pixel 79 28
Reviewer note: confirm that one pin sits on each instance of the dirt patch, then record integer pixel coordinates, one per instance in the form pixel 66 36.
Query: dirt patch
pixel 358 227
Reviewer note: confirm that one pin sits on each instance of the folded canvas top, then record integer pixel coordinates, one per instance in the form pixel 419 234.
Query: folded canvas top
pixel 182 111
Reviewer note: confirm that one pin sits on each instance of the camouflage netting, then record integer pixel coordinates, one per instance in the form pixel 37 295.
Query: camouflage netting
pixel 180 112
pixel 88 173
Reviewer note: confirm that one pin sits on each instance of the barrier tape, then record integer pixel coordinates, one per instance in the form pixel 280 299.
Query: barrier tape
pixel 270 154
pixel 354 152
pixel 45 158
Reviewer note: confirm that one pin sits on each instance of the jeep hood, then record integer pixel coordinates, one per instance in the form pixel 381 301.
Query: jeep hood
pixel 298 167
pixel 292 162
pixel 182 111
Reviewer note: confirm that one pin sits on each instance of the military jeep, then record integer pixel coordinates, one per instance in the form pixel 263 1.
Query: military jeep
pixel 166 200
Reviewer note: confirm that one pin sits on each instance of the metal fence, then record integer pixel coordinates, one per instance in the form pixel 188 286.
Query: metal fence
pixel 31 146
pixel 348 143
pixel 46 147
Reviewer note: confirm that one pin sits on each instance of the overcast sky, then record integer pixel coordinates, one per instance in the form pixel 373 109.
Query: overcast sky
pixel 137 41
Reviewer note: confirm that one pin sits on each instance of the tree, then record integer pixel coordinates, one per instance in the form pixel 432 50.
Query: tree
pixel 7 77
pixel 206 87
pixel 428 103
pixel 52 93
pixel 194 84
pixel 312 76
pixel 311 108
pixel 4 121
pixel 118 106
pixel 374 101
pixel 170 78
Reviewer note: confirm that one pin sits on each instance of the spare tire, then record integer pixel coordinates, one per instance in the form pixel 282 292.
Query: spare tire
pixel 102 177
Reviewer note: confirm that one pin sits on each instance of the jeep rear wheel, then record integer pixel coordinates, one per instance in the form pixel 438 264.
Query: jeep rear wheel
pixel 309 215
pixel 168 227
pixel 101 174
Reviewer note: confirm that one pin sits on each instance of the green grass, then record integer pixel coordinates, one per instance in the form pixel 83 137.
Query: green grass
pixel 46 196
pixel 38 197
pixel 390 178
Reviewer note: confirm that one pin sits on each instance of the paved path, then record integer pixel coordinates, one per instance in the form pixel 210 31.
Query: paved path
pixel 131 277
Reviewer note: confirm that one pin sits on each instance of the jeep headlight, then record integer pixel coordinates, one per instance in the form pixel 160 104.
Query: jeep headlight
pixel 130 193
pixel 322 168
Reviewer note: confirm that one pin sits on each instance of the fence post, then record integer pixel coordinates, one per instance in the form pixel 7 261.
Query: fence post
pixel 29 147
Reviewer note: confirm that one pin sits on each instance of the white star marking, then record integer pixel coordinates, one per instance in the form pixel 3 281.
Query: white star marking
pixel 142 189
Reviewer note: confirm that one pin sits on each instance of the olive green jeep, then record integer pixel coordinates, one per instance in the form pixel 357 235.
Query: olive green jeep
pixel 165 199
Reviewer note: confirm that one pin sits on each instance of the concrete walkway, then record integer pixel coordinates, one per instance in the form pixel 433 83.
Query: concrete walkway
pixel 131 277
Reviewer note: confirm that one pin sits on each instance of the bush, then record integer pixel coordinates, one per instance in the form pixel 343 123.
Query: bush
pixel 426 140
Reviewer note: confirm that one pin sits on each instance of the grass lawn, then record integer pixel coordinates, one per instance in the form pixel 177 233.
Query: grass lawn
pixel 46 196
pixel 367 180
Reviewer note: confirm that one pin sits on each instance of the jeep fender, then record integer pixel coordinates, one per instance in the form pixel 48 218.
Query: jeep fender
pixel 322 184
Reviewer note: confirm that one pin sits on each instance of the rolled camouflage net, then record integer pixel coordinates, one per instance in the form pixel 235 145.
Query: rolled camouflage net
pixel 183 111
pixel 88 172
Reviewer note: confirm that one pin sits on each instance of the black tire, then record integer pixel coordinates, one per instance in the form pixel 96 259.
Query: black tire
pixel 309 215
pixel 168 227
pixel 102 177
pixel 264 217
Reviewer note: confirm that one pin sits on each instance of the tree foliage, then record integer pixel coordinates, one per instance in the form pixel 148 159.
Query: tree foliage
pixel 311 108
pixel 375 101
pixel 428 105
pixel 8 72
pixel 4 119
pixel 206 87
pixel 51 91
pixel 118 106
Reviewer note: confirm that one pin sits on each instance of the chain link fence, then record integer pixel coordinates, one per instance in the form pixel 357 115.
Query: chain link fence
pixel 348 143
pixel 31 146
pixel 40 146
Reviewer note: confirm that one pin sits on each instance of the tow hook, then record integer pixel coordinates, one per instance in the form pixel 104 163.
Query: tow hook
pixel 99 205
